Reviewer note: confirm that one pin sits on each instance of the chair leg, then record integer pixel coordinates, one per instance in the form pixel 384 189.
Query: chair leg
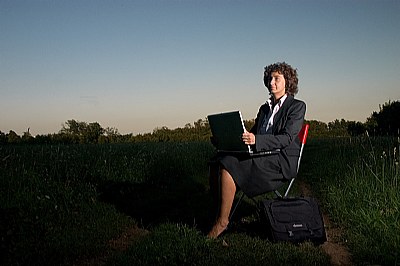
pixel 289 187
pixel 236 205
pixel 277 194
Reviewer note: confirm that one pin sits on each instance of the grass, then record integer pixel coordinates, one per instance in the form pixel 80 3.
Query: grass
pixel 62 203
pixel 50 212
pixel 53 198
pixel 177 244
pixel 358 181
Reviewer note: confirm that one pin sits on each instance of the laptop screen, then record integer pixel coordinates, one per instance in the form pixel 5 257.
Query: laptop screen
pixel 227 129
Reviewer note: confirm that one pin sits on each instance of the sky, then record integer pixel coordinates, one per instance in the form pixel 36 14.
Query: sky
pixel 140 65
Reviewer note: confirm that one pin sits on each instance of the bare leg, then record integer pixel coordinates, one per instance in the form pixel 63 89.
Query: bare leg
pixel 228 189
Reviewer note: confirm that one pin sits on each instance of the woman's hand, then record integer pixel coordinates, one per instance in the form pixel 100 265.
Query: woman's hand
pixel 249 138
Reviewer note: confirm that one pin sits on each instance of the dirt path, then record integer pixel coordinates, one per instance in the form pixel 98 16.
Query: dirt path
pixel 334 247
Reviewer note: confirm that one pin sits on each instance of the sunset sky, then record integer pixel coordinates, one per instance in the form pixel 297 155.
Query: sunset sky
pixel 138 65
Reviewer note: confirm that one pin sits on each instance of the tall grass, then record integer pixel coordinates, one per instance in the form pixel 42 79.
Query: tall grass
pixel 358 180
pixel 50 213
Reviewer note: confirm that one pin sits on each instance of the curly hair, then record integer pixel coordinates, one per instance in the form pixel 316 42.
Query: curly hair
pixel 289 73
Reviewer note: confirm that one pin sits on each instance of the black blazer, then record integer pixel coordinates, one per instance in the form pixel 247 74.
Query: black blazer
pixel 286 127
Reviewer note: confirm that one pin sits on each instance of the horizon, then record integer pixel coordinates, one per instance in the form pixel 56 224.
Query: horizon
pixel 139 65
pixel 159 127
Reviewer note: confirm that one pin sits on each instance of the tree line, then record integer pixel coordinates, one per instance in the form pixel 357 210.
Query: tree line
pixel 384 122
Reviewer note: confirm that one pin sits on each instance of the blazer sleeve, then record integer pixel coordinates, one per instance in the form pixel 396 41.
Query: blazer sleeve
pixel 285 129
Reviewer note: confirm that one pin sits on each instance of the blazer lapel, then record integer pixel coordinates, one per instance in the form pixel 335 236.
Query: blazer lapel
pixel 264 111
pixel 279 118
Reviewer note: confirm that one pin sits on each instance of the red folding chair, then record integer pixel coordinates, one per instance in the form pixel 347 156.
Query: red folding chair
pixel 303 138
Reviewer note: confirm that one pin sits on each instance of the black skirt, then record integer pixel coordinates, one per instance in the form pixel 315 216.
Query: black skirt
pixel 254 175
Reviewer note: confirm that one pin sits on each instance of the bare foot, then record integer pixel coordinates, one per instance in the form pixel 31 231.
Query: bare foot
pixel 217 229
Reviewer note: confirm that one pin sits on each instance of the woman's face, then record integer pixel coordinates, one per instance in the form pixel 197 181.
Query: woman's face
pixel 277 85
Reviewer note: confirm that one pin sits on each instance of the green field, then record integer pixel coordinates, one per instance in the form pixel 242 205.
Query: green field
pixel 62 204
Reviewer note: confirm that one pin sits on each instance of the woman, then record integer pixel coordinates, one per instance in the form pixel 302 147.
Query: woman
pixel 277 125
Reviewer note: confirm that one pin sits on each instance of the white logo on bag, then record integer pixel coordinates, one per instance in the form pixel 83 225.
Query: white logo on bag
pixel 297 225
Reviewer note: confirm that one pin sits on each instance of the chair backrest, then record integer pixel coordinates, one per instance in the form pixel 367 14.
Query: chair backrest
pixel 303 138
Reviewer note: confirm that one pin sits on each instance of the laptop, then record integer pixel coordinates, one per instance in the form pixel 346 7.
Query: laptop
pixel 227 129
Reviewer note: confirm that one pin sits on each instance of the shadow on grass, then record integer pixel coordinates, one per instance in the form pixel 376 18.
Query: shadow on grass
pixel 151 204
pixel 186 202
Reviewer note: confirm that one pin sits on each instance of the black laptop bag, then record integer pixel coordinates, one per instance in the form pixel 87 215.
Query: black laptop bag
pixel 294 220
